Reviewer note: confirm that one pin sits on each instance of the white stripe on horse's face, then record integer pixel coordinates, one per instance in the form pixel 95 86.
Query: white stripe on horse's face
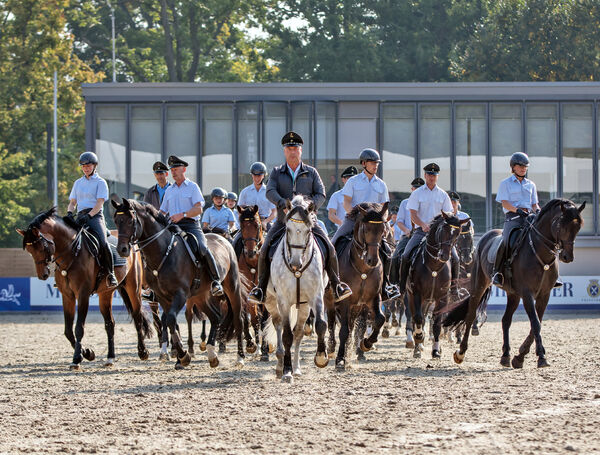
pixel 297 233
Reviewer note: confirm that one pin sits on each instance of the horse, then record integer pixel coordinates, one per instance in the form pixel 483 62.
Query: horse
pixel 296 286
pixel 172 272
pixel 431 277
pixel 50 238
pixel 546 236
pixel 362 269
pixel 252 234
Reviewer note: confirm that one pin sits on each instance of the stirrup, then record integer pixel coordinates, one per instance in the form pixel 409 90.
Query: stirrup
pixel 342 292
pixel 216 289
pixel 111 280
pixel 498 279
pixel 256 296
pixel 392 291
pixel 558 284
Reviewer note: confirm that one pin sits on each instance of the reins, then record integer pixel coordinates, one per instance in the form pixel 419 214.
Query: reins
pixel 298 273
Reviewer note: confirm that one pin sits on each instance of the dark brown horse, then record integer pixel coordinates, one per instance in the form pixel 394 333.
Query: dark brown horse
pixel 171 272
pixel 49 238
pixel 362 269
pixel 547 236
pixel 430 278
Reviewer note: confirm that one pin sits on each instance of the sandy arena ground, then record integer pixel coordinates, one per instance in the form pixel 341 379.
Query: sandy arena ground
pixel 392 403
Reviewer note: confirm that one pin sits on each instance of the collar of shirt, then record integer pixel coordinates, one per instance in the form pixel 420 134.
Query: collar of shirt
pixel 94 176
pixel 294 173
pixel 513 178
pixel 185 182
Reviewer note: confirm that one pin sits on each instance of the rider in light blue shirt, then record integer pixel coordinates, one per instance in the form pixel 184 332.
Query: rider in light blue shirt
pixel 218 216
pixel 335 206
pixel 231 203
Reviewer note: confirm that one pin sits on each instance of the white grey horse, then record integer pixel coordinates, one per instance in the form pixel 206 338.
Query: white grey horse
pixel 296 286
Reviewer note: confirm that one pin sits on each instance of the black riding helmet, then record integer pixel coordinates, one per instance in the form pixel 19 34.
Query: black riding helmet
pixel 369 155
pixel 218 192
pixel 231 195
pixel 519 158
pixel 88 158
pixel 258 168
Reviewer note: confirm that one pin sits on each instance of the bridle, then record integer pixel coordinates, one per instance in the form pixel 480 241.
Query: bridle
pixel 466 249
pixel 49 249
pixel 298 272
pixel 553 246
pixel 439 244
pixel 258 240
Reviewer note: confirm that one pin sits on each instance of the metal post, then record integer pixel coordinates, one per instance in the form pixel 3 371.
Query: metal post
pixel 112 19
pixel 55 142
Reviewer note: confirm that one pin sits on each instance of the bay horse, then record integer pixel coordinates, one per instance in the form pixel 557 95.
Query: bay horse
pixel 171 271
pixel 52 239
pixel 296 286
pixel 546 236
pixel 362 269
pixel 431 278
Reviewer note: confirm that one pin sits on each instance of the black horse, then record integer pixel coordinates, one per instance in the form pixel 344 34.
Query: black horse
pixel 431 277
pixel 546 237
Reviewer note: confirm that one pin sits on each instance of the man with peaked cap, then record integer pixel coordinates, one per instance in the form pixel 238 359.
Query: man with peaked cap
pixel 156 193
pixel 424 204
pixel 286 181
pixel 335 207
pixel 455 200
pixel 183 202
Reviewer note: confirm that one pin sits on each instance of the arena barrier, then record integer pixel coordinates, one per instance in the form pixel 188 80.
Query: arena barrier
pixel 32 294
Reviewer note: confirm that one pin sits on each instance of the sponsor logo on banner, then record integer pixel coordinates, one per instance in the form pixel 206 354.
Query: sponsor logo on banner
pixel 593 289
pixel 14 294
pixel 45 296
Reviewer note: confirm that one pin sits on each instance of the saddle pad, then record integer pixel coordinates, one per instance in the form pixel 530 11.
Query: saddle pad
pixel 118 261
pixel 493 250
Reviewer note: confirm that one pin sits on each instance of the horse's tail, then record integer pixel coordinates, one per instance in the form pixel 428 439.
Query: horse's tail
pixel 455 319
pixel 226 330
pixel 482 308
pixel 197 314
pixel 145 315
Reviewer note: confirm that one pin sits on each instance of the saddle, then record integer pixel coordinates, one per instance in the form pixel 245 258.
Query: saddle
pixel 92 244
pixel 515 239
pixel 320 243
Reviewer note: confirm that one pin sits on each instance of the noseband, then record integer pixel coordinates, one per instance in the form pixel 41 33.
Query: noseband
pixel 49 249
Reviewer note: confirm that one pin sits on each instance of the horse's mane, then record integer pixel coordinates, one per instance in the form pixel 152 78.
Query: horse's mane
pixel 37 222
pixel 551 205
pixel 373 214
pixel 158 216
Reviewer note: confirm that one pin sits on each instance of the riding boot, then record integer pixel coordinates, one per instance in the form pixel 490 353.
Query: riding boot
pixel 404 269
pixel 216 288
pixel 111 280
pixel 498 276
pixel 258 294
pixel 340 289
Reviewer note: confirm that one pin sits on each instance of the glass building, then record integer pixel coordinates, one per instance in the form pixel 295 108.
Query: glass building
pixel 469 129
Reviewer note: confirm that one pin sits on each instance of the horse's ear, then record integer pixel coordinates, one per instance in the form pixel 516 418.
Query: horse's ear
pixel 126 204
pixel 581 207
pixel 288 204
pixel 384 208
pixel 21 231
pixel 363 210
pixel 254 208
pixel 444 215
pixel 465 221
pixel 239 209
pixel 115 204
pixel 311 207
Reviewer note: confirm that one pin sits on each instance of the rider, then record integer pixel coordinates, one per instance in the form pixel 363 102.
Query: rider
pixel 288 180
pixel 183 202
pixel 335 207
pixel 367 187
pixel 218 216
pixel 424 204
pixel 455 200
pixel 155 193
pixel 88 195
pixel 518 196
pixel 231 203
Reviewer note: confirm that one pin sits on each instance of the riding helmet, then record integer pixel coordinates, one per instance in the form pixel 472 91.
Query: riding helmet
pixel 88 158
pixel 218 192
pixel 519 158
pixel 369 155
pixel 258 168
pixel 231 195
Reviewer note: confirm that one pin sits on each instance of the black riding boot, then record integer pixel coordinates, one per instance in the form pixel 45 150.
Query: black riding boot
pixel 216 288
pixel 498 277
pixel 340 289
pixel 404 269
pixel 107 260
pixel 258 294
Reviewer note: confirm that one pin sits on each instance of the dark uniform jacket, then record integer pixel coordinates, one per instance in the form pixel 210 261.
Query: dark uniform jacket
pixel 152 197
pixel 281 186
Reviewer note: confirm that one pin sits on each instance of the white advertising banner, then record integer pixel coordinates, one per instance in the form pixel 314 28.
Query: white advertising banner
pixel 43 295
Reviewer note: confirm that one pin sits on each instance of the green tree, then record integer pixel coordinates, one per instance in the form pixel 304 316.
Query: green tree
pixel 33 43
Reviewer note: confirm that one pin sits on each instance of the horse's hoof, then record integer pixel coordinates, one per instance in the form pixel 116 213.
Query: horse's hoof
pixel 475 331
pixel 417 354
pixel 385 333
pixel 321 359
pixel 144 354
pixel 307 330
pixel 394 323
pixel 264 357
pixel 185 360
pixel 363 346
pixel 331 355
pixel 222 348
pixel 517 362
pixel 288 378
pixel 174 353
pixel 278 373
pixel 75 367
pixel 203 346
pixel 179 366
pixel 109 363
pixel 435 354
pixel 89 354
pixel 214 362
pixel 191 353
pixel 419 337
pixel 251 348
pixel 360 356
pixel 272 348
pixel 543 363
pixel 458 357
pixel 164 357
pixel 410 345
pixel 505 361
pixel 340 365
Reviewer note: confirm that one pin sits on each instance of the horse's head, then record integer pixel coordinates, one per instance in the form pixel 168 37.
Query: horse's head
pixel 37 245
pixel 566 227
pixel 299 222
pixel 445 230
pixel 251 229
pixel 128 225
pixel 370 229
pixel 464 244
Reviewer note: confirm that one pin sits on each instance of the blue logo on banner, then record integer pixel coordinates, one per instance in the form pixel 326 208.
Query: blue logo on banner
pixel 14 294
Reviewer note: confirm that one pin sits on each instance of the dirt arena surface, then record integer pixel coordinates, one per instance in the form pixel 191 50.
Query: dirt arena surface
pixel 390 404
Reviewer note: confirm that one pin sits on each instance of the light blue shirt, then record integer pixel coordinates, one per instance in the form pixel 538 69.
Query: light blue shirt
pixel 361 189
pixel 429 203
pixel 181 198
pixel 87 191
pixel 320 223
pixel 218 218
pixel 161 191
pixel 336 202
pixel 236 217
pixel 523 195
pixel 294 173
pixel 402 217
pixel 249 197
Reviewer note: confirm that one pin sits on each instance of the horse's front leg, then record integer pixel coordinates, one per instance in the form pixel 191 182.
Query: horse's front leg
pixel 105 300
pixel 344 311
pixel 265 349
pixel 321 358
pixel 189 317
pixel 288 339
pixel 331 317
pixel 79 352
pixel 250 345
pixel 156 320
pixel 303 313
pixel 273 308
pixel 178 302
pixel 540 307
pixel 69 315
pixel 512 302
pixel 211 352
pixel 436 350
pixel 378 321
pixel 164 339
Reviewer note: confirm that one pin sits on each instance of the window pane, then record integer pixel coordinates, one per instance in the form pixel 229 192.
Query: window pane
pixel 302 124
pixel 542 148
pixel 434 140
pixel 111 138
pixel 182 137
pixel 398 149
pixel 506 140
pixel 357 131
pixel 471 140
pixel 577 125
pixel 146 145
pixel 217 147
pixel 247 140
pixel 325 150
pixel 275 118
